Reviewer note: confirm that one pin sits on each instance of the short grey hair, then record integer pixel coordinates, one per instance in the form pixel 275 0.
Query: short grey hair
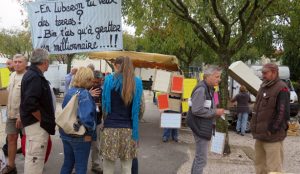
pixel 39 55
pixel 211 69
pixel 16 56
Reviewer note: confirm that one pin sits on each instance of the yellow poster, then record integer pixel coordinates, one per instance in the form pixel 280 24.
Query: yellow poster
pixel 188 86
pixel 201 76
pixel 216 88
pixel 185 106
pixel 4 77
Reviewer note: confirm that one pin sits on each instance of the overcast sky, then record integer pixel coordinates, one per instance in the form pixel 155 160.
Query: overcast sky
pixel 10 14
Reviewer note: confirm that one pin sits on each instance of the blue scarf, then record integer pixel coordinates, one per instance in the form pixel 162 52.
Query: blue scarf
pixel 114 82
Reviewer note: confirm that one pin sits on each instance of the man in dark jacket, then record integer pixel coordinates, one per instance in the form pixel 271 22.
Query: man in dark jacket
pixel 36 111
pixel 269 121
pixel 202 115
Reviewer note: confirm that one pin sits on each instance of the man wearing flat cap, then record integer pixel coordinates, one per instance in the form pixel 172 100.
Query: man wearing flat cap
pixel 37 111
pixel 269 121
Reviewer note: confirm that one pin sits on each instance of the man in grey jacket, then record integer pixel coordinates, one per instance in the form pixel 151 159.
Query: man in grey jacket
pixel 202 115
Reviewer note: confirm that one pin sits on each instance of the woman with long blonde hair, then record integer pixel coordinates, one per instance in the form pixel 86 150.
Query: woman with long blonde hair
pixel 121 99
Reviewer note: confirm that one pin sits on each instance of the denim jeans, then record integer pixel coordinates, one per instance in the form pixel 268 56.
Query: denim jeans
pixel 76 153
pixel 242 122
pixel 170 132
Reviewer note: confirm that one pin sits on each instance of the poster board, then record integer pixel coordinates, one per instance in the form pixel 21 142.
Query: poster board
pixel 177 84
pixel 170 120
pixel 201 76
pixel 188 86
pixel 218 143
pixel 4 77
pixel 64 27
pixel 241 73
pixel 162 81
pixel 163 101
pixel 174 104
pixel 185 106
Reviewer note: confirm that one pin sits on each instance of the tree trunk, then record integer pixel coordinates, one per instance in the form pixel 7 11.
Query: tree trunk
pixel 222 125
pixel 70 57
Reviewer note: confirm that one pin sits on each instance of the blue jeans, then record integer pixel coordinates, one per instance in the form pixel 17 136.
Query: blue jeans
pixel 242 122
pixel 170 132
pixel 76 153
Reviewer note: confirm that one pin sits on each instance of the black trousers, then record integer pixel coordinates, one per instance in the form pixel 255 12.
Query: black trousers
pixel 135 166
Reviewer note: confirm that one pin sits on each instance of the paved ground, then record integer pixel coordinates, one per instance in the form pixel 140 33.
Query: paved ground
pixel 156 157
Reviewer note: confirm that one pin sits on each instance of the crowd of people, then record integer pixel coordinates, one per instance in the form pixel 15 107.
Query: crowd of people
pixel 110 107
pixel 112 115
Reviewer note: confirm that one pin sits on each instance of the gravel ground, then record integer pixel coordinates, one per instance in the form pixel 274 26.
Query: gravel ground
pixel 242 154
pixel 239 161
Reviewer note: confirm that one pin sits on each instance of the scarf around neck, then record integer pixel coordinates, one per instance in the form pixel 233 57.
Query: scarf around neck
pixel 115 82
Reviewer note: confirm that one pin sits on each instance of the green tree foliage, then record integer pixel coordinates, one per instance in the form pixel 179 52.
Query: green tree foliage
pixel 166 35
pixel 177 38
pixel 13 42
pixel 225 26
pixel 129 42
pixel 289 33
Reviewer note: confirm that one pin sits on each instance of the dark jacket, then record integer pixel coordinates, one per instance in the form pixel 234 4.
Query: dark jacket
pixel 242 99
pixel 271 112
pixel 86 113
pixel 36 95
pixel 201 117
pixel 120 116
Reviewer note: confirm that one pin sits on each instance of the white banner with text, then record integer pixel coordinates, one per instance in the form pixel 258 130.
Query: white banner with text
pixel 74 26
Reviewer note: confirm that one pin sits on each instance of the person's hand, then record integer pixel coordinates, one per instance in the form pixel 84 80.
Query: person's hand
pixel 220 112
pixel 18 123
pixel 95 92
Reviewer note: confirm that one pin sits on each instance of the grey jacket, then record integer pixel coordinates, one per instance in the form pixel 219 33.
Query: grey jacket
pixel 199 98
pixel 201 116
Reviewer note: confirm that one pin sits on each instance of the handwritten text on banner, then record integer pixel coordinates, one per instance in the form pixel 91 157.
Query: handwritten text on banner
pixel 76 26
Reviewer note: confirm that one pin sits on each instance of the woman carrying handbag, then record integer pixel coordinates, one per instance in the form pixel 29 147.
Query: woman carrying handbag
pixel 76 146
